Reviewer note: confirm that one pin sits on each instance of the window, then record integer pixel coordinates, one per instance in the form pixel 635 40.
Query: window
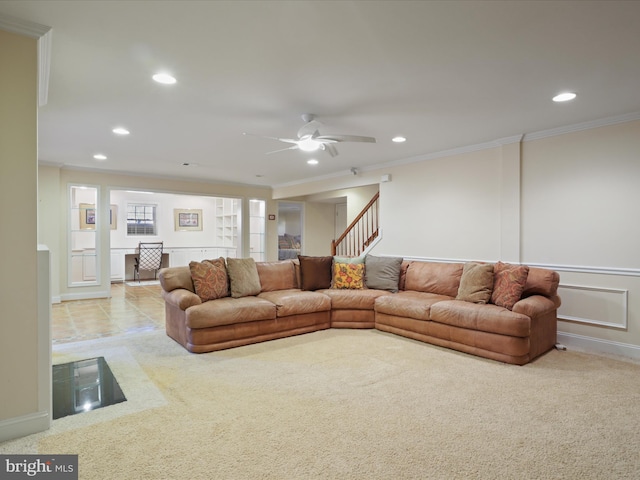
pixel 141 219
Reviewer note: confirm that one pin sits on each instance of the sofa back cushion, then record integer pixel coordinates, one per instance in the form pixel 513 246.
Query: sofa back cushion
pixel 541 281
pixel 434 277
pixel 402 283
pixel 176 277
pixel 277 275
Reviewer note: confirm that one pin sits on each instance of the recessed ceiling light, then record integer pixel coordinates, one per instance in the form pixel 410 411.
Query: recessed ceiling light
pixel 164 78
pixel 564 97
pixel 312 161
pixel 100 156
pixel 399 139
pixel 120 131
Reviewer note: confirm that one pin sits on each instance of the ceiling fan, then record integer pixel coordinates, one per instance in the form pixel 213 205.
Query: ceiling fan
pixel 310 140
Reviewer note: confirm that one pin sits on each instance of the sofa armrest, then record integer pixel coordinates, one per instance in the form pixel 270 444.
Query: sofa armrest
pixel 181 298
pixel 536 305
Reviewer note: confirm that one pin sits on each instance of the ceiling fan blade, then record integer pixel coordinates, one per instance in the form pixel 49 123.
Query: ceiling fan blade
pixel 330 149
pixel 292 147
pixel 345 138
pixel 285 140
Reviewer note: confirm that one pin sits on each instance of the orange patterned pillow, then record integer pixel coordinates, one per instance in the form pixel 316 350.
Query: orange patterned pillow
pixel 508 284
pixel 348 275
pixel 210 279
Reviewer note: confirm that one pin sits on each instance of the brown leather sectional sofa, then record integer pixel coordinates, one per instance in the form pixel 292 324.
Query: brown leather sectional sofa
pixel 425 308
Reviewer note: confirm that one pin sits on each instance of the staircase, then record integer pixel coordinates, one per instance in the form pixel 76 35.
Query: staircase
pixel 360 234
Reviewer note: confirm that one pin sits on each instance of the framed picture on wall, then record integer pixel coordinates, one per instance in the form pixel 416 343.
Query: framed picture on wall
pixel 189 219
pixel 87 216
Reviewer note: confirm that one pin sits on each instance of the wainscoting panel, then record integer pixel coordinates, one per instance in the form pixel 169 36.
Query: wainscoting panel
pixel 594 305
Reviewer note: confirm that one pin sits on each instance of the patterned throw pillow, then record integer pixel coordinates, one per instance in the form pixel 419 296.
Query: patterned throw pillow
pixel 210 279
pixel 508 284
pixel 348 275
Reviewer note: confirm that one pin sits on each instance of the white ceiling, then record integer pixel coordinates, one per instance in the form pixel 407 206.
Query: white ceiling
pixel 444 74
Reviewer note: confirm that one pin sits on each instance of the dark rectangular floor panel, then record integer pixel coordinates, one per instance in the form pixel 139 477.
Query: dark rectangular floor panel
pixel 83 386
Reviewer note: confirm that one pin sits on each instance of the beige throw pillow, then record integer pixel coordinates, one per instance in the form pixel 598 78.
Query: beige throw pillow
pixel 476 283
pixel 243 277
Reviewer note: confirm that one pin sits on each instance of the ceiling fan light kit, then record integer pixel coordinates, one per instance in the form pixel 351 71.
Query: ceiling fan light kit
pixel 310 140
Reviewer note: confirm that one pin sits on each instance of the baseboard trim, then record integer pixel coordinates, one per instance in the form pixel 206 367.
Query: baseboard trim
pixel 85 295
pixel 598 345
pixel 18 427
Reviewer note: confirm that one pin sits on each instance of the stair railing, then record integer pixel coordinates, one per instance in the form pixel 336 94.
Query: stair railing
pixel 360 233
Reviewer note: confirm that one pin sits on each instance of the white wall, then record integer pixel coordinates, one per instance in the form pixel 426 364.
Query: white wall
pixel 318 228
pixel 444 208
pixel 581 193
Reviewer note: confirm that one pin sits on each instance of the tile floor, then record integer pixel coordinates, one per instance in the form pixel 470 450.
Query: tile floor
pixel 129 310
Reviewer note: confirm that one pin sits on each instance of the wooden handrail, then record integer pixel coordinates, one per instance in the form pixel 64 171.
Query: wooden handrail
pixel 368 235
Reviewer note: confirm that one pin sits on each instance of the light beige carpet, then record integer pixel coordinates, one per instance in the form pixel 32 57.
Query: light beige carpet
pixel 350 404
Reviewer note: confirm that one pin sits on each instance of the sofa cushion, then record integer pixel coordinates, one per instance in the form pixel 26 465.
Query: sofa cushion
pixel 348 275
pixel 476 283
pixel 297 302
pixel 277 275
pixel 508 284
pixel 243 277
pixel 210 279
pixel 434 277
pixel 382 273
pixel 176 277
pixel 229 311
pixel 343 299
pixel 315 272
pixel 485 318
pixel 541 281
pixel 402 283
pixel 409 304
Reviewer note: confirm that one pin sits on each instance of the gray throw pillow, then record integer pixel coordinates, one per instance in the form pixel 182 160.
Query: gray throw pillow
pixel 243 277
pixel 382 273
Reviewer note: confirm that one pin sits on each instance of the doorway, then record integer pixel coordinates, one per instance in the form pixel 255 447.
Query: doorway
pixel 290 225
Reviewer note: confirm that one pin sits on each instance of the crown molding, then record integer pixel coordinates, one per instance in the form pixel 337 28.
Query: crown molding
pixel 23 27
pixel 602 122
pixel 43 33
